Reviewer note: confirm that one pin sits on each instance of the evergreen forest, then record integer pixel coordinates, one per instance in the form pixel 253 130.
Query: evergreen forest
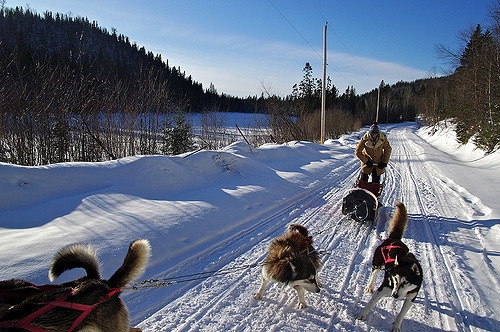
pixel 73 91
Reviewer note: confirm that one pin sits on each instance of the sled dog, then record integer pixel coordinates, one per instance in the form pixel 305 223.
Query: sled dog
pixel 85 304
pixel 385 254
pixel 293 261
pixel 403 273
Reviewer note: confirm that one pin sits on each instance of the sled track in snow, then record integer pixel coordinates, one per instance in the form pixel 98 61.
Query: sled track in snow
pixel 429 252
pixel 429 203
pixel 254 235
pixel 346 242
pixel 444 302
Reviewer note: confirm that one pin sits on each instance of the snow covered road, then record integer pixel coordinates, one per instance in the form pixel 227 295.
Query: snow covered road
pixel 461 281
pixel 211 216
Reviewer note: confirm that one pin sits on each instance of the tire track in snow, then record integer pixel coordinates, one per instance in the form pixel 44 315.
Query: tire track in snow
pixel 300 209
pixel 433 193
pixel 347 264
pixel 426 203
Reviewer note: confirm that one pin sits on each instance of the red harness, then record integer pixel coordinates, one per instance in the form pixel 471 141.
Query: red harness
pixel 386 252
pixel 86 309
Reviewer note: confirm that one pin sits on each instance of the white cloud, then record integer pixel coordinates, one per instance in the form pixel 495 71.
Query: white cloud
pixel 238 65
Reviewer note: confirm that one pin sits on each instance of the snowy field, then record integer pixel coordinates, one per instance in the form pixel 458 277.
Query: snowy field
pixel 210 217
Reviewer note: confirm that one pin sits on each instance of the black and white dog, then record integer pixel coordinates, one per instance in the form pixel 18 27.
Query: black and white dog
pixel 403 273
pixel 293 261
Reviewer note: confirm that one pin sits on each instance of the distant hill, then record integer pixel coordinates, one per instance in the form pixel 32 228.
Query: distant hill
pixel 59 40
pixel 79 45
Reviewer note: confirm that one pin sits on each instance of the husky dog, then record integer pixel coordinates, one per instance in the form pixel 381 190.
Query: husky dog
pixel 85 304
pixel 385 254
pixel 293 261
pixel 403 273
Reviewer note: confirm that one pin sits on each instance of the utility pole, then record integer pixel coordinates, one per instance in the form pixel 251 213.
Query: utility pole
pixel 323 88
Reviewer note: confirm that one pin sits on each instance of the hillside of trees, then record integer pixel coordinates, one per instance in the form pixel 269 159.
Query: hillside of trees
pixel 73 91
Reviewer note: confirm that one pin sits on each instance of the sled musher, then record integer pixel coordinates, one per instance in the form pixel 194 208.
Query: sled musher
pixel 362 202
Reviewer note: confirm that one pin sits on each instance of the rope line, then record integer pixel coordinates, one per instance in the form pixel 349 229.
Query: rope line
pixel 353 212
pixel 153 283
pixel 164 282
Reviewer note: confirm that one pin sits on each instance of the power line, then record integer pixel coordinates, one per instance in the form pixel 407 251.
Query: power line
pixel 348 51
pixel 308 43
pixel 340 40
pixel 319 11
pixel 296 30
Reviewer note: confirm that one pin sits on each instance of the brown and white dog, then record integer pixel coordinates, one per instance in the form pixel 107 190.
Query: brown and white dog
pixel 293 261
pixel 403 273
pixel 85 304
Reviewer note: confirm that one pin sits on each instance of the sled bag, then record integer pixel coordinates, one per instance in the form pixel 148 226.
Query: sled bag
pixel 360 204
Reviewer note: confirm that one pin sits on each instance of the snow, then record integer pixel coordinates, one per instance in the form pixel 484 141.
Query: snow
pixel 210 217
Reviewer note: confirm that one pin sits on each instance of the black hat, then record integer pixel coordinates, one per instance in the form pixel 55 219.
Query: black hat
pixel 374 128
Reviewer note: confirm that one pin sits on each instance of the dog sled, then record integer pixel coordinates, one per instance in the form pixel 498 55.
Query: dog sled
pixel 362 202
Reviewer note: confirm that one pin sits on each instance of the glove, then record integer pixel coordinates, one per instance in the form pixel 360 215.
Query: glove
pixel 369 163
pixel 382 165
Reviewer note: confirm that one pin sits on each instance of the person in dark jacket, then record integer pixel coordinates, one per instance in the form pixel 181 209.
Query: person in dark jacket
pixel 373 149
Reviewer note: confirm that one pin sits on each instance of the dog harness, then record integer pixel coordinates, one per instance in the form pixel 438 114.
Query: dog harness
pixel 386 252
pixel 25 323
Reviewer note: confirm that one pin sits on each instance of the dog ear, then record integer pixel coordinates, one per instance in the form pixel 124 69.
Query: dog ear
pixel 415 269
pixel 298 228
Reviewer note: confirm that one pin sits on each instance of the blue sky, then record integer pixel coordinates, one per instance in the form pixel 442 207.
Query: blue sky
pixel 248 47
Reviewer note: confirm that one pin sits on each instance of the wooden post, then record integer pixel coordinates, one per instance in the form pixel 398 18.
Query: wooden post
pixel 378 99
pixel 323 89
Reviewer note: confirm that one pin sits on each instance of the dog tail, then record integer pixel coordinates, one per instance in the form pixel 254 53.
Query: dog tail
pixel 75 256
pixel 133 265
pixel 298 228
pixel 397 226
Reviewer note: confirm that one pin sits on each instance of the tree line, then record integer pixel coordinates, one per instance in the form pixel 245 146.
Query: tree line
pixel 72 91
pixel 469 95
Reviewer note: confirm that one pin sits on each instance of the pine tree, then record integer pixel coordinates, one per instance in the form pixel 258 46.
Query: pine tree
pixel 178 135
pixel 308 92
pixel 475 91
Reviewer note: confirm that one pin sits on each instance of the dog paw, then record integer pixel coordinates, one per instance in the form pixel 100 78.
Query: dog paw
pixel 257 296
pixel 369 289
pixel 301 305
pixel 319 283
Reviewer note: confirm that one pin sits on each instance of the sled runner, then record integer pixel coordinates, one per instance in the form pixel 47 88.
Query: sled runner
pixel 361 202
